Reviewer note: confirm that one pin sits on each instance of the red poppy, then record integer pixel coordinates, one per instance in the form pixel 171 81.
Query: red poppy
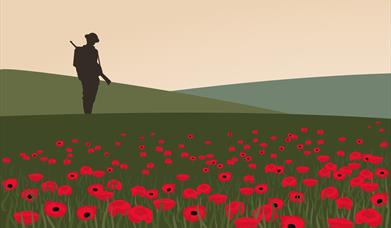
pixel 261 188
pixel 6 160
pixel 164 204
pixel 138 191
pixel 99 173
pixel 379 199
pixel 329 193
pixel 356 181
pixel 302 169
pixel 269 168
pixel 189 193
pixel 225 177
pixel 104 195
pixel 249 179
pixel 182 177
pixel 55 209
pixel 49 186
pixel 289 181
pixel 29 194
pixel 9 184
pixel 218 198
pixel 291 221
pixel 369 216
pixel 64 190
pixel 381 173
pixel 339 223
pixel 204 189
pixel 95 189
pixel 265 212
pixel 118 207
pixel 330 166
pixel 152 194
pixel 168 188
pixel 26 217
pixel 354 165
pixel 35 177
pixel 86 170
pixel 114 185
pixel 59 143
pixel 72 176
pixel 194 213
pixel 234 208
pixel 324 172
pixel 296 197
pixel 355 156
pixel 369 186
pixel 277 203
pixel 310 182
pixel 246 222
pixel 339 176
pixel 85 213
pixel 344 202
pixel 246 191
pixel 279 169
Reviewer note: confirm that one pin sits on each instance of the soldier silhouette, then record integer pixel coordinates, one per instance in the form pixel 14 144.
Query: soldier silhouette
pixel 87 63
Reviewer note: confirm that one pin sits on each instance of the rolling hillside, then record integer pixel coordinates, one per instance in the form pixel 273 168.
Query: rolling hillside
pixel 33 93
pixel 353 95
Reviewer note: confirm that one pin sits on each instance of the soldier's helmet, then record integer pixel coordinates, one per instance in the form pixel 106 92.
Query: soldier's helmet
pixel 92 37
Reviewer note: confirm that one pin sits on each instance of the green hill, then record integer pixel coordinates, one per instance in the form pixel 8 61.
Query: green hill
pixel 33 93
pixel 352 95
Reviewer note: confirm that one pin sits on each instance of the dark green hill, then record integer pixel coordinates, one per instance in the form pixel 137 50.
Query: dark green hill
pixel 33 93
pixel 353 95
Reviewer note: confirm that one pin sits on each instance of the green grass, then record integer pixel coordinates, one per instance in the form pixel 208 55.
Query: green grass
pixel 30 133
pixel 35 93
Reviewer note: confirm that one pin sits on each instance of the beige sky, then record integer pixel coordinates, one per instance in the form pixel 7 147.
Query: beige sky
pixel 178 44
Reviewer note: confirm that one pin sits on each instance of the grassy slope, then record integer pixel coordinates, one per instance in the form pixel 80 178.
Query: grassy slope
pixel 32 93
pixel 354 95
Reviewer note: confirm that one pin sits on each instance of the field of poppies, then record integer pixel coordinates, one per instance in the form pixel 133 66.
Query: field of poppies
pixel 194 170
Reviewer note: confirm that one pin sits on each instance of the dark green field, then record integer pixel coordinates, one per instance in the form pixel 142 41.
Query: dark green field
pixel 27 134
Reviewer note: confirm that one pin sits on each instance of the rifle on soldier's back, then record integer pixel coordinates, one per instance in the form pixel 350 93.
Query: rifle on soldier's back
pixel 107 80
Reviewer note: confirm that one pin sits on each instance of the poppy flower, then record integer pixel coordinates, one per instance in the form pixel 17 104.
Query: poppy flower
pixel 302 169
pixel 64 190
pixel 10 184
pixel 246 191
pixel 29 194
pixel 86 170
pixel 369 186
pixel 265 213
pixel 204 189
pixel 354 165
pixel 85 213
pixel 98 173
pixel 104 195
pixel 277 203
pixel 261 188
pixel 35 177
pixel 59 143
pixel 324 172
pixel 114 185
pixel 194 213
pixel 246 222
pixel 152 194
pixel 118 207
pixel 189 193
pixel 296 197
pixel 346 170
pixel 356 181
pixel 182 177
pixel 310 182
pixel 329 193
pixel 26 217
pixel 218 198
pixel 289 181
pixel 72 176
pixel 138 191
pixel 291 221
pixel 55 209
pixel 49 186
pixel 344 202
pixel 379 199
pixel 94 189
pixel 381 173
pixel 234 208
pixel 225 177
pixel 164 204
pixel 339 223
pixel 279 169
pixel 168 188
pixel 339 176
pixel 355 156
pixel 369 216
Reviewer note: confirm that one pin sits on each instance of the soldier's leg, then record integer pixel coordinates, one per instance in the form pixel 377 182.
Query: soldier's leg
pixel 85 96
pixel 93 91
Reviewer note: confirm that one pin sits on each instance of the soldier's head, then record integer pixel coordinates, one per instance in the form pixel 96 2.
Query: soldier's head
pixel 92 38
